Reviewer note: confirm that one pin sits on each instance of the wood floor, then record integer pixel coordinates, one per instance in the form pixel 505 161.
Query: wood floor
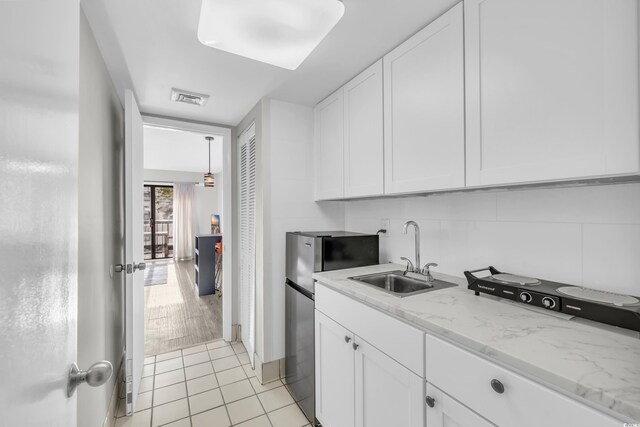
pixel 175 317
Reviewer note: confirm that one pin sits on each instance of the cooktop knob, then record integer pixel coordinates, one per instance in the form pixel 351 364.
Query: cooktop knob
pixel 548 302
pixel 525 296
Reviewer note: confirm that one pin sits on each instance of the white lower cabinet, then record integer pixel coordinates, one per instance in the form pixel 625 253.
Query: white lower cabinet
pixel 445 411
pixel 358 385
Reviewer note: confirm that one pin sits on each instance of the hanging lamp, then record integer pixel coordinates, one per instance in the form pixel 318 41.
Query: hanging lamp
pixel 208 177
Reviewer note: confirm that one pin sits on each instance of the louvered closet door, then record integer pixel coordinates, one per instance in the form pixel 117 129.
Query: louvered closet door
pixel 247 294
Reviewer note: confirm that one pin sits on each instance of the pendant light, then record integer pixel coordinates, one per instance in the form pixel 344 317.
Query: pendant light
pixel 208 177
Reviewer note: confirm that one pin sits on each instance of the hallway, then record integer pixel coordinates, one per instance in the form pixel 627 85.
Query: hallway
pixel 174 316
pixel 209 385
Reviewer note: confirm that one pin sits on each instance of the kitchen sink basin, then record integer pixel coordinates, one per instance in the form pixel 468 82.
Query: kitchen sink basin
pixel 396 283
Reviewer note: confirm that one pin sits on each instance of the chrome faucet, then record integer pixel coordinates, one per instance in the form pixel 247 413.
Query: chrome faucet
pixel 416 267
pixel 416 227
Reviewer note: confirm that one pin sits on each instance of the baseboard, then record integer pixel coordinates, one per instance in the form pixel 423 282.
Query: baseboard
pixel 269 371
pixel 118 386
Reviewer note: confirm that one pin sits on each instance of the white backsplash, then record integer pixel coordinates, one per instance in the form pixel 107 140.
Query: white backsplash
pixel 579 235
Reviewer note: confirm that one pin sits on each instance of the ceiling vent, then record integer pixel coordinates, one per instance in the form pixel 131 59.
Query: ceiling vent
pixel 192 98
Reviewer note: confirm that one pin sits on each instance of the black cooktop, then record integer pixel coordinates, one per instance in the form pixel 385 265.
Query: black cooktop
pixel 600 306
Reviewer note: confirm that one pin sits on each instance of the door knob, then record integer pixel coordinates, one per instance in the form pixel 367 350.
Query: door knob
pixel 97 374
pixel 139 266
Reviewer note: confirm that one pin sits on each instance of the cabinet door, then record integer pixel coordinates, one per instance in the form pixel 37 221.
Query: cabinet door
pixel 424 109
pixel 329 147
pixel 387 393
pixel 334 373
pixel 448 412
pixel 363 135
pixel 552 89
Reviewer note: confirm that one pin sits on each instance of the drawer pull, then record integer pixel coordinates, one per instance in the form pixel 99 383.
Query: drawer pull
pixel 431 402
pixel 497 386
pixel 355 346
pixel 347 338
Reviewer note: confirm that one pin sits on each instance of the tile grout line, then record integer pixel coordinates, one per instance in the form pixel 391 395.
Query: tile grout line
pixel 186 391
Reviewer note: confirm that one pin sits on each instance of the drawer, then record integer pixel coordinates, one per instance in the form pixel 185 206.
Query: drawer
pixel 396 339
pixel 467 378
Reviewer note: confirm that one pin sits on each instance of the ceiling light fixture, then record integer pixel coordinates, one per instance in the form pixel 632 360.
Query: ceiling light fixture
pixel 208 177
pixel 193 98
pixel 278 32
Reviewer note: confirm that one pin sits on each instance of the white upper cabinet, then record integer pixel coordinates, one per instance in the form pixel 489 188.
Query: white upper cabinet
pixel 552 89
pixel 424 109
pixel 363 136
pixel 329 147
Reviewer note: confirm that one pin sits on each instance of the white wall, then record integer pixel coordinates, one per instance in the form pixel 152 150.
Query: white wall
pixel 289 206
pixel 206 202
pixel 582 235
pixel 100 227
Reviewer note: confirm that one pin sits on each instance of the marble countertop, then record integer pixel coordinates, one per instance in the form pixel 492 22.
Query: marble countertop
pixel 598 364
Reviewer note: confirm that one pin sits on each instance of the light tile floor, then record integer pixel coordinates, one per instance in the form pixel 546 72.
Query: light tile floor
pixel 209 385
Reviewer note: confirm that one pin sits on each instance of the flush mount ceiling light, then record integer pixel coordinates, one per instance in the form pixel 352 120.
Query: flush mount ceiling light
pixel 278 32
pixel 208 177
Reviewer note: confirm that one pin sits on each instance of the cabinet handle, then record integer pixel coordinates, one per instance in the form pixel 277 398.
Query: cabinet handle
pixel 497 386
pixel 355 346
pixel 431 402
pixel 347 338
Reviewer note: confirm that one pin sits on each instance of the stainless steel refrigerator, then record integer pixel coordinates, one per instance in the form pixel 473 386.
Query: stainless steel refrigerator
pixel 307 253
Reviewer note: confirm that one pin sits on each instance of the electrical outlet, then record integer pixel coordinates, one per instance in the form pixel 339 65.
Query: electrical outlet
pixel 385 224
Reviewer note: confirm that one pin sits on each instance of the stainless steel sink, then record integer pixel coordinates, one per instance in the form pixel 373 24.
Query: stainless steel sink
pixel 396 283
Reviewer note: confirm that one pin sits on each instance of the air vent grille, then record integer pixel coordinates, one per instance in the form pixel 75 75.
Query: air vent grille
pixel 193 98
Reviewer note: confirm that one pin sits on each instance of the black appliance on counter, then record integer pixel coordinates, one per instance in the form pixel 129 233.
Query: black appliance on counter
pixel 600 306
pixel 307 253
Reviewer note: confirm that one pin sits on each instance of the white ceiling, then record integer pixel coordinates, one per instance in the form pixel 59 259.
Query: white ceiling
pixel 152 46
pixel 177 150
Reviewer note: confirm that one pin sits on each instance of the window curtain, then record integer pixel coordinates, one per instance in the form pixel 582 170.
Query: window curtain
pixel 183 221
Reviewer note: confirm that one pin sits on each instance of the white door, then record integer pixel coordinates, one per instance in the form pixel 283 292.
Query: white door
pixel 424 109
pixel 363 135
pixel 445 411
pixel 386 393
pixel 247 290
pixel 134 250
pixel 39 51
pixel 552 89
pixel 334 373
pixel 329 148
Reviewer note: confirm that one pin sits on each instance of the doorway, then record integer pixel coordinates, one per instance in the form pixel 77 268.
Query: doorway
pixel 158 222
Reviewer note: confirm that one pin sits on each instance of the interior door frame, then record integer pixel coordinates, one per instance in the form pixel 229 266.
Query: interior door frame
pixel 227 206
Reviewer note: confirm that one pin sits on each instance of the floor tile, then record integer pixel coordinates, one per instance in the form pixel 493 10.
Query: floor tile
pixel 275 399
pixel 236 391
pixel 146 384
pixel 231 375
pixel 148 370
pixel 259 388
pixel 198 385
pixel 193 350
pixel 217 344
pixel 225 363
pixel 205 401
pixel 238 347
pixel 185 422
pixel 221 352
pixel 169 394
pixel 168 378
pixel 168 365
pixel 249 370
pixel 216 417
pixel 149 359
pixel 244 409
pixel 244 358
pixel 194 359
pixel 139 419
pixel 261 421
pixel 196 371
pixel 167 356
pixel 173 411
pixel 289 416
pixel 144 401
